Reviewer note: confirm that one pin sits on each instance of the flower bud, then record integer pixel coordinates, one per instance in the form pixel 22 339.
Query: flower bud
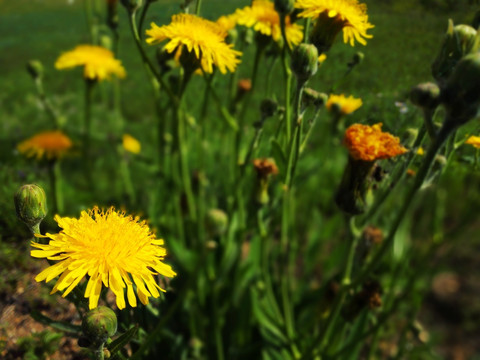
pixel 460 40
pixel 35 69
pixel 284 7
pixel 31 206
pixel 268 108
pixel 313 97
pixel 425 95
pixel 461 95
pixel 132 5
pixel 112 14
pixel 216 222
pixel 98 325
pixel 305 61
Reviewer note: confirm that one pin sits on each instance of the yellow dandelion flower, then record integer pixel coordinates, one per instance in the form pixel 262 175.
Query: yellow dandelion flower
pixel 131 144
pixel 264 19
pixel 49 144
pixel 99 63
pixel 113 249
pixel 322 58
pixel 227 22
pixel 204 38
pixel 474 141
pixel 332 16
pixel 420 151
pixel 345 105
pixel 369 143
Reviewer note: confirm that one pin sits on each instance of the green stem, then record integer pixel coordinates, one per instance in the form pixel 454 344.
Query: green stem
pixel 148 62
pixel 92 27
pixel 49 109
pixel 288 89
pixel 310 130
pixel 428 121
pixel 98 353
pixel 87 125
pixel 142 15
pixel 440 139
pixel 198 7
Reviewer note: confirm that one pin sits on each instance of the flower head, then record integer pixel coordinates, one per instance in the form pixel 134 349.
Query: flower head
pixel 111 248
pixel 344 105
pixel 474 141
pixel 48 144
pixel 369 143
pixel 131 144
pixel 265 167
pixel 99 63
pixel 204 38
pixel 261 15
pixel 333 16
pixel 227 22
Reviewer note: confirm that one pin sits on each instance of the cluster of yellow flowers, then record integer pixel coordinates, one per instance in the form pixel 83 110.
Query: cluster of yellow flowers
pixel 119 251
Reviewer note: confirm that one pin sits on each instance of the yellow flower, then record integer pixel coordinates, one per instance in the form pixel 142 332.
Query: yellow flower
pixel 322 58
pixel 227 22
pixel 111 248
pixel 474 141
pixel 333 16
pixel 203 37
pixel 345 105
pixel 48 144
pixel 369 143
pixel 264 19
pixel 420 151
pixel 99 63
pixel 131 144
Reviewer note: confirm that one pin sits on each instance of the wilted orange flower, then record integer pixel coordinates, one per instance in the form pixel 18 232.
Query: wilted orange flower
pixel 261 15
pixel 48 144
pixel 265 167
pixel 474 141
pixel 369 143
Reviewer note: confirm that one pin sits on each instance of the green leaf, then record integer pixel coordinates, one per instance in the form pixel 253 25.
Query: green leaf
pixel 122 340
pixel 279 156
pixel 59 325
pixel 185 257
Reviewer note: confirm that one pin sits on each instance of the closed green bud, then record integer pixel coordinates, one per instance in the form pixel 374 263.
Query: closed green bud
pixel 356 59
pixel 31 206
pixel 216 222
pixel 304 61
pixel 268 108
pixel 313 97
pixel 460 40
pixel 132 5
pixel 461 95
pixel 284 7
pixel 35 69
pixel 425 95
pixel 98 325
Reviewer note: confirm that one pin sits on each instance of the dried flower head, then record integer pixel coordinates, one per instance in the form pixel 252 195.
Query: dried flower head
pixel 261 15
pixel 113 249
pixel 48 144
pixel 204 38
pixel 99 62
pixel 265 167
pixel 369 143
